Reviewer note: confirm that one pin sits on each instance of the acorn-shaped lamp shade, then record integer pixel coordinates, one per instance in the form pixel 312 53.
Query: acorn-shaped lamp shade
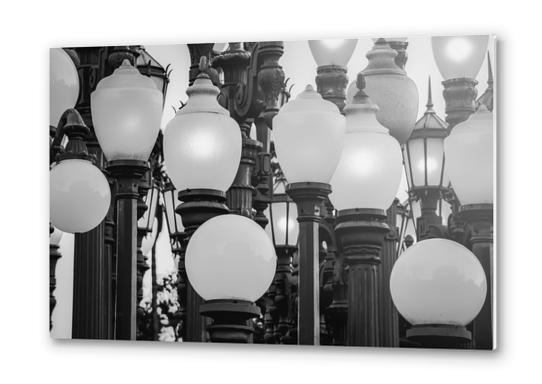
pixel 332 51
pixel 126 111
pixel 438 282
pixel 64 84
pixel 459 56
pixel 388 86
pixel 309 138
pixel 230 257
pixel 202 144
pixel 370 168
pixel 469 158
pixel 80 196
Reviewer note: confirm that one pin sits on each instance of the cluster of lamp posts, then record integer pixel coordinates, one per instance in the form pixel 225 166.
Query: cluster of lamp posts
pixel 354 156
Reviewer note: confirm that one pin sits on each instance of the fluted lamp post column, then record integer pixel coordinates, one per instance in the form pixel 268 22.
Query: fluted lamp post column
pixel 126 110
pixel 230 273
pixel 470 165
pixel 309 136
pixel 202 150
pixel 439 287
pixel 365 184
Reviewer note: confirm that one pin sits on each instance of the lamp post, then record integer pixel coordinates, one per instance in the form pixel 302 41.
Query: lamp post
pixel 243 252
pixel 126 110
pixel 54 255
pixel 370 157
pixel 469 154
pixel 424 166
pixel 315 127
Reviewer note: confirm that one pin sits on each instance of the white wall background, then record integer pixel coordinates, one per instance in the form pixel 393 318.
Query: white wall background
pixel 31 29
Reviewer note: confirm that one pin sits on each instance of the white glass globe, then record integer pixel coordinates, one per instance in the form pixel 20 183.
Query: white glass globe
pixel 126 112
pixel 80 196
pixel 332 51
pixel 64 85
pixel 459 56
pixel 309 138
pixel 469 158
pixel 202 144
pixel 230 257
pixel 369 172
pixel 438 281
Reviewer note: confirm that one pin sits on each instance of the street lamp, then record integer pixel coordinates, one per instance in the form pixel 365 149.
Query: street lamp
pixel 388 86
pixel 439 287
pixel 371 157
pixel 309 137
pixel 424 167
pixel 126 111
pixel 64 84
pixel 230 273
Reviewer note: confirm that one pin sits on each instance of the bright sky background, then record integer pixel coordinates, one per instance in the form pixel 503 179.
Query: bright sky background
pixel 300 67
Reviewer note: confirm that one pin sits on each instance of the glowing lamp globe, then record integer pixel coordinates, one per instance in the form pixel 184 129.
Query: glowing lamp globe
pixel 459 56
pixel 283 227
pixel 309 138
pixel 388 86
pixel 126 111
pixel 80 196
pixel 230 257
pixel 202 144
pixel 370 168
pixel 64 84
pixel 332 51
pixel 438 281
pixel 469 158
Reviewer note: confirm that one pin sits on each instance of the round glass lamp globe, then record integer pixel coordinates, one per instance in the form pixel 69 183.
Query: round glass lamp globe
pixel 80 196
pixel 459 56
pixel 202 144
pixel 309 138
pixel 332 51
pixel 438 281
pixel 64 85
pixel 230 257
pixel 469 158
pixel 126 111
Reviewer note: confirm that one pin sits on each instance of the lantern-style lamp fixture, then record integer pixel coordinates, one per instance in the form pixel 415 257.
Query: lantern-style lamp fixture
pixel 469 158
pixel 309 138
pixel 439 287
pixel 64 84
pixel 388 86
pixel 148 66
pixel 126 111
pixel 202 144
pixel 369 172
pixel 241 250
pixel 282 213
pixel 459 56
pixel 173 219
pixel 332 51
pixel 146 222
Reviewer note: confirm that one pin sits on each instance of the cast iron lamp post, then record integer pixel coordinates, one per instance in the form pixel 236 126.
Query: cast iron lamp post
pixel 309 136
pixel 126 110
pixel 469 154
pixel 371 157
pixel 202 150
pixel 230 273
pixel 439 287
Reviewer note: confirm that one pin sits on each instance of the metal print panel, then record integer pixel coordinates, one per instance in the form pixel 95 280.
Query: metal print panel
pixel 324 192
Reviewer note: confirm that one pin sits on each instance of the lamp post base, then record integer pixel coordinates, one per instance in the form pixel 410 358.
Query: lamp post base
pixel 229 320
pixel 438 335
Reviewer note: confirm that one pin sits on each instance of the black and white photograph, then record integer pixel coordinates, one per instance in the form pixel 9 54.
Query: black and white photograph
pixel 331 192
